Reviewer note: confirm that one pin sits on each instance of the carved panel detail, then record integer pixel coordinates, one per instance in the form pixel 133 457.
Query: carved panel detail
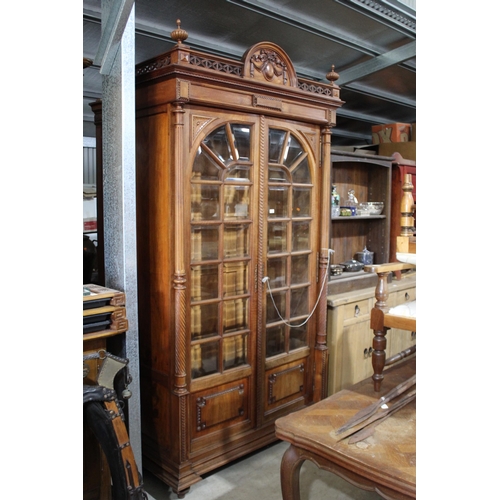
pixel 203 62
pixel 311 139
pixel 270 65
pixel 267 102
pixel 267 62
pixel 285 383
pixel 157 64
pixel 198 123
pixel 182 90
pixel 219 407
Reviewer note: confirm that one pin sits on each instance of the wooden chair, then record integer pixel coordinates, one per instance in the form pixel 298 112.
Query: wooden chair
pixel 383 317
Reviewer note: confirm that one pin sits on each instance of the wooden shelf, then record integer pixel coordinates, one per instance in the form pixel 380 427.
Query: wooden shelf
pixel 358 217
pixel 370 177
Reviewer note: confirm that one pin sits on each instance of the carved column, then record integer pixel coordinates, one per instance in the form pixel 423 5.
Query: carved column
pixel 179 281
pixel 321 354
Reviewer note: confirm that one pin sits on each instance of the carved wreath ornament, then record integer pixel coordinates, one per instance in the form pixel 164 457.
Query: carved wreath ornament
pixel 269 64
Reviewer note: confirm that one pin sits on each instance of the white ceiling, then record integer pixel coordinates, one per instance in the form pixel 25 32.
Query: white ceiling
pixel 370 43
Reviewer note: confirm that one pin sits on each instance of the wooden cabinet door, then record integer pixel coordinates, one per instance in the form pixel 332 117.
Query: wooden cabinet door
pixel 356 342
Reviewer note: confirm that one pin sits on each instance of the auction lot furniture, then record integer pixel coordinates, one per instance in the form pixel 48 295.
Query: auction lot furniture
pixel 232 249
pixel 384 462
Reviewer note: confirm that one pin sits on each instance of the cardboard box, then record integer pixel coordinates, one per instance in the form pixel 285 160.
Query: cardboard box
pixel 408 150
pixel 391 132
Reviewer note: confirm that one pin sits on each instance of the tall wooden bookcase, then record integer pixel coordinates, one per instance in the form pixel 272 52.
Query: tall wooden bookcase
pixel 233 186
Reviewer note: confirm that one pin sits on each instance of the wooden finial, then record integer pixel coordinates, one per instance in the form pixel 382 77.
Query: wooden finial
pixel 179 34
pixel 407 204
pixel 332 75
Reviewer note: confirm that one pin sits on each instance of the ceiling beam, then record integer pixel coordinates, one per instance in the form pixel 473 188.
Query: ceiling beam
pixel 391 13
pixel 111 35
pixel 357 116
pixel 350 135
pixel 383 95
pixel 378 63
pixel 291 18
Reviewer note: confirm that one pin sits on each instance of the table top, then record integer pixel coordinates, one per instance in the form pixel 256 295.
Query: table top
pixel 387 457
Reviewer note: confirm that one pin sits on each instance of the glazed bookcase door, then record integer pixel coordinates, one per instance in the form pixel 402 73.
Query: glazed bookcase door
pixel 252 215
pixel 222 231
pixel 290 251
pixel 289 246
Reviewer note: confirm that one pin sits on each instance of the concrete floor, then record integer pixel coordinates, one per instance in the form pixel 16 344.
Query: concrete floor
pixel 257 477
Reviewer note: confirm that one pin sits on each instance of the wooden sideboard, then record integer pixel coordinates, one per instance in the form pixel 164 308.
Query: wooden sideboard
pixel 350 336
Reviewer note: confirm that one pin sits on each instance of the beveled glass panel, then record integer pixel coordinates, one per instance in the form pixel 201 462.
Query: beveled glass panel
pixel 277 174
pixel 299 302
pixel 241 136
pixel 204 243
pixel 235 351
pixel 276 142
pixel 240 173
pixel 235 315
pixel 300 269
pixel 204 282
pixel 280 300
pixel 298 337
pixel 204 202
pixel 276 237
pixel 300 236
pixel 235 278
pixel 301 173
pixel 204 167
pixel 204 321
pixel 275 340
pixel 278 201
pixel 301 202
pixel 236 202
pixel 276 271
pixel 292 151
pixel 236 240
pixel 204 359
pixel 217 141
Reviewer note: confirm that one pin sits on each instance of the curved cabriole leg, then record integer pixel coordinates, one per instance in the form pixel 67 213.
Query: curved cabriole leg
pixel 290 473
pixel 378 357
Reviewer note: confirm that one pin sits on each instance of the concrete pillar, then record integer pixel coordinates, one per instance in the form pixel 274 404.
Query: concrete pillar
pixel 118 134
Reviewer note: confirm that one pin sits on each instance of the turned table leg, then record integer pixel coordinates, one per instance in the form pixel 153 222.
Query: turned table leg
pixel 378 357
pixel 290 473
pixel 379 331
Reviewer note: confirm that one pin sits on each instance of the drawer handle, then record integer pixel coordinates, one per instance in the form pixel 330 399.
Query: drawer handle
pixel 356 310
pixel 368 352
pixel 407 296
pixel 413 335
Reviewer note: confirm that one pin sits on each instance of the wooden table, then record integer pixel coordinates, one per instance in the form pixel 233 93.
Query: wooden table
pixel 385 462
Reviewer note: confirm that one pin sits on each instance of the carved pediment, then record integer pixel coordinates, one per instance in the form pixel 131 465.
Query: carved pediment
pixel 269 63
